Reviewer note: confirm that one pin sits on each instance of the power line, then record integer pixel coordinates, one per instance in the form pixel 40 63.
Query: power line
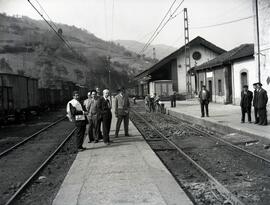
pixel 159 25
pixel 172 16
pixel 59 36
pixel 223 23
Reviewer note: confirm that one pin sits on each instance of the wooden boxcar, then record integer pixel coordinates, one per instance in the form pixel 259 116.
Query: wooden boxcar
pixel 17 94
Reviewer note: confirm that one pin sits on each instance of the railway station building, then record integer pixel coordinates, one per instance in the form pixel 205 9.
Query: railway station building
pixel 225 75
pixel 261 10
pixel 170 74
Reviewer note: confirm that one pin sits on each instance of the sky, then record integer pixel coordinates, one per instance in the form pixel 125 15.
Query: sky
pixel 137 19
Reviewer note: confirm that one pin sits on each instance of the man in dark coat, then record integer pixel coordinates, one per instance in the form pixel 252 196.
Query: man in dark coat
pixel 173 99
pixel 104 109
pixel 204 97
pixel 255 103
pixel 262 102
pixel 122 107
pixel 246 99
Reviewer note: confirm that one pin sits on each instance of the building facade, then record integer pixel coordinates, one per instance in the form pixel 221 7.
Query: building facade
pixel 172 69
pixel 225 75
pixel 261 10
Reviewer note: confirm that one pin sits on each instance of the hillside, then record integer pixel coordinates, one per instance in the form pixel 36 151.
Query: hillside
pixel 135 46
pixel 30 47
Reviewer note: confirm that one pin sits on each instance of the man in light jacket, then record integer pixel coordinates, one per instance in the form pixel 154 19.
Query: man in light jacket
pixel 122 111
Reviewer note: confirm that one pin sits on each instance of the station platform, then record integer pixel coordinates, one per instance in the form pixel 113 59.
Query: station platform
pixel 125 172
pixel 222 118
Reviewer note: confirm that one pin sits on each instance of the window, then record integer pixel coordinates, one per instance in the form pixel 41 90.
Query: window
pixel 201 83
pixel 244 80
pixel 219 88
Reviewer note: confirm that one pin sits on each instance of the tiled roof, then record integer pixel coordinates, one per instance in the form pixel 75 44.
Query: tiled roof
pixel 196 41
pixel 244 50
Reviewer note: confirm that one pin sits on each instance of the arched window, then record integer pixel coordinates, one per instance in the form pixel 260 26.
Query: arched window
pixel 244 79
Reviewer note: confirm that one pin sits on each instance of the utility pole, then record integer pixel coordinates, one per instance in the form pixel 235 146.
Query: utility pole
pixel 109 70
pixel 154 53
pixel 258 40
pixel 187 52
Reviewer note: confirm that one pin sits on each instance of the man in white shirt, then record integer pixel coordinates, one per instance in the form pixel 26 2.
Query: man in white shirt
pixel 76 113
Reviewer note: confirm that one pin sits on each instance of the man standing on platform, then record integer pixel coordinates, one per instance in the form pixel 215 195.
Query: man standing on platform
pixel 246 99
pixel 104 110
pixel 173 99
pixel 204 97
pixel 93 116
pixel 255 103
pixel 76 113
pixel 122 111
pixel 262 102
pixel 86 104
pixel 99 120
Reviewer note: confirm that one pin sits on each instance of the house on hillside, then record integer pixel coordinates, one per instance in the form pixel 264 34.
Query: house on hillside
pixel 225 75
pixel 170 73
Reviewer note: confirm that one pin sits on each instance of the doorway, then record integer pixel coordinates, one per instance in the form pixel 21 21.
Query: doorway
pixel 244 79
pixel 210 89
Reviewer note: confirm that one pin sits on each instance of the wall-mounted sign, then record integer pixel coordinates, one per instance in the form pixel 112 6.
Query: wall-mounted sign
pixel 209 74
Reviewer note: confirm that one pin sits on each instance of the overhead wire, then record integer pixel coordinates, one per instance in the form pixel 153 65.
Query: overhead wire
pixel 159 24
pixel 172 16
pixel 54 29
pixel 223 23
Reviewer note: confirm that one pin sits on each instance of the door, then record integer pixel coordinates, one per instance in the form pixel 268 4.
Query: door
pixel 210 89
pixel 243 79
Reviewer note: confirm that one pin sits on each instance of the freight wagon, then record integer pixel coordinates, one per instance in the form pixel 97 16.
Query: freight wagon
pixel 18 94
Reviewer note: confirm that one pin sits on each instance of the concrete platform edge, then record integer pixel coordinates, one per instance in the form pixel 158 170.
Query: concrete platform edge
pixel 214 126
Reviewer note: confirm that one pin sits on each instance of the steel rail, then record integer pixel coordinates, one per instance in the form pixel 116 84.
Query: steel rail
pixel 222 140
pixel 214 182
pixel 30 137
pixel 27 182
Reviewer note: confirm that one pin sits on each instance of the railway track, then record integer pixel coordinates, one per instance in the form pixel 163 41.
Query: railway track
pixel 21 164
pixel 235 175
pixel 3 153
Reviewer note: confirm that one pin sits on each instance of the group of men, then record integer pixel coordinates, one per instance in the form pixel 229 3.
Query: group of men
pixel 152 103
pixel 259 99
pixel 96 110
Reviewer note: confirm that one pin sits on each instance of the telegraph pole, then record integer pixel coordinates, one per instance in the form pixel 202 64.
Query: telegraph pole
pixel 154 53
pixel 109 70
pixel 187 52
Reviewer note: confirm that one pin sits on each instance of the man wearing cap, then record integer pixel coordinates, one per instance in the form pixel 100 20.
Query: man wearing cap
pixel 246 99
pixel 122 111
pixel 262 102
pixel 255 103
pixel 204 97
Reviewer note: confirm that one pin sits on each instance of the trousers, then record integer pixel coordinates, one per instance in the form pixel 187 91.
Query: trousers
pixel 119 121
pixel 80 131
pixel 244 111
pixel 204 104
pixel 262 116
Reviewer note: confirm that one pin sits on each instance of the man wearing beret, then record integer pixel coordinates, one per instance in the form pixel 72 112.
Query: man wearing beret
pixel 262 102
pixel 246 99
pixel 255 103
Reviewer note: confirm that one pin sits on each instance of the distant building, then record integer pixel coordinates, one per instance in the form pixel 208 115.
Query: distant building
pixel 170 74
pixel 262 41
pixel 225 75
